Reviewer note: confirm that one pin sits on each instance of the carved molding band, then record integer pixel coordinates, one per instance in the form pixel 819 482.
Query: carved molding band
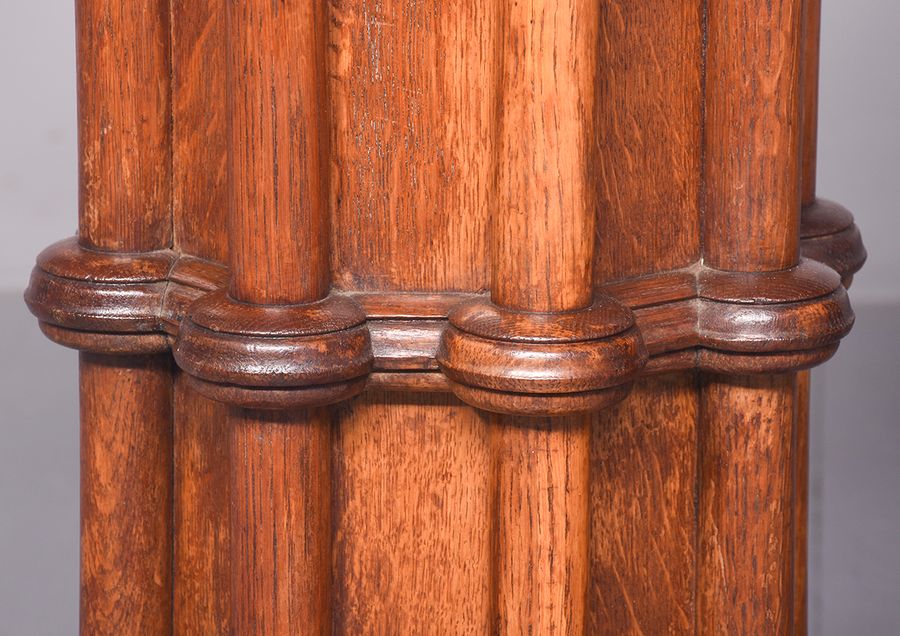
pixel 541 364
pixel 829 235
pixel 501 360
pixel 269 356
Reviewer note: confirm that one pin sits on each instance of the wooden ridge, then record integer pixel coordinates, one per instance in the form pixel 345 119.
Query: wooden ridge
pixel 288 355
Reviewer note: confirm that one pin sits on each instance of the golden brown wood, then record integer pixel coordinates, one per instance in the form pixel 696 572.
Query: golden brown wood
pixel 801 508
pixel 744 583
pixel 278 118
pixel 543 524
pixel 281 472
pixel 747 435
pixel 202 586
pixel 413 492
pixel 126 410
pixel 532 206
pixel 124 169
pixel 643 506
pixel 643 456
pixel 543 222
pixel 542 260
pixel 810 96
pixel 752 160
pixel 199 129
pixel 649 124
pixel 413 89
pixel 281 522
pixel 126 494
pixel 202 591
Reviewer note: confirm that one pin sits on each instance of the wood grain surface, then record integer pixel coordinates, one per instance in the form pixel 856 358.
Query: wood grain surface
pixel 534 205
pixel 200 184
pixel 643 505
pixel 124 110
pixel 413 86
pixel 812 21
pixel 748 434
pixel 200 195
pixel 542 261
pixel 745 553
pixel 278 124
pixel 801 508
pixel 649 124
pixel 126 494
pixel 644 475
pixel 752 138
pixel 124 173
pixel 281 485
pixel 543 223
pixel 542 524
pixel 202 585
pixel 413 508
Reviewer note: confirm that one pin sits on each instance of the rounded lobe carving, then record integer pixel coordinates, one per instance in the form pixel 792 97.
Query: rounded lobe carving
pixel 68 259
pixel 541 363
pixel 502 360
pixel 808 280
pixel 829 235
pixel 775 328
pixel 275 356
pixel 770 321
pixel 732 363
pixel 538 404
pixel 103 302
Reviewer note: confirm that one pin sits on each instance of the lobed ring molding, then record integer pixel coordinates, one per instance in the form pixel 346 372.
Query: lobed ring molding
pixel 499 360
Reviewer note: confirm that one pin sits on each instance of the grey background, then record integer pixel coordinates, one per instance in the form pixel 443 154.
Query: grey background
pixel 855 507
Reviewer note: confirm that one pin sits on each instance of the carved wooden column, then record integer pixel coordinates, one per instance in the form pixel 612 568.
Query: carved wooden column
pixel 486 317
pixel 124 232
pixel 752 185
pixel 276 339
pixel 543 345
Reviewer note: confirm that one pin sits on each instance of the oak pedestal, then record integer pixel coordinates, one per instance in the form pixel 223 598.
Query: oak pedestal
pixel 447 317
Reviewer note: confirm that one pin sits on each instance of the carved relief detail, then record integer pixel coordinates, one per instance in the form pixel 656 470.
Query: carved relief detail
pixel 497 359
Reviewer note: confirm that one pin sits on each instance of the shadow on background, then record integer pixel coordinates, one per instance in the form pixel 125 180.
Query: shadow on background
pixel 38 478
pixel 855 503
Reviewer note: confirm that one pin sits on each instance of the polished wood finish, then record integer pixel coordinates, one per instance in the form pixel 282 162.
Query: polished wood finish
pixel 745 550
pixel 543 220
pixel 542 476
pixel 644 484
pixel 278 139
pixel 801 507
pixel 202 498
pixel 124 111
pixel 429 317
pixel 752 135
pixel 649 163
pixel 281 473
pixel 199 129
pixel 413 89
pixel 810 99
pixel 124 175
pixel 413 500
pixel 281 522
pixel 126 494
pixel 747 427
